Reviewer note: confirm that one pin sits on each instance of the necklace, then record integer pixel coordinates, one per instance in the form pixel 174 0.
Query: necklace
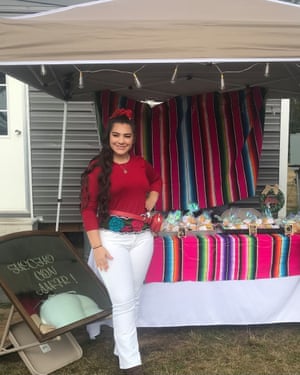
pixel 123 166
pixel 124 169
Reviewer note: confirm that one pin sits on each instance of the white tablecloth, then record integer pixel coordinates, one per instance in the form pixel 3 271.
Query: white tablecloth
pixel 187 303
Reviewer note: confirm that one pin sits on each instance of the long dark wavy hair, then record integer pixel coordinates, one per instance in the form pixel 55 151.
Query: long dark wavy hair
pixel 104 160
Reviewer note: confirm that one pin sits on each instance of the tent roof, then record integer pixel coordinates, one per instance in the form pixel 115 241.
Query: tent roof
pixel 136 30
pixel 114 39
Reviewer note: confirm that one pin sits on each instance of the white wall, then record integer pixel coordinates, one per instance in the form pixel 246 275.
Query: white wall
pixel 15 200
pixel 284 150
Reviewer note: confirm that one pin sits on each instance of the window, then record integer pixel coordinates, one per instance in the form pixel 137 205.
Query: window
pixel 3 106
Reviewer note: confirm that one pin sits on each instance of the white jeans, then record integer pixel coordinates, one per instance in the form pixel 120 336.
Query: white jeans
pixel 124 278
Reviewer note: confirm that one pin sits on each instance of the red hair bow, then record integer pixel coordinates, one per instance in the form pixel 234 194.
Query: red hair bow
pixel 122 112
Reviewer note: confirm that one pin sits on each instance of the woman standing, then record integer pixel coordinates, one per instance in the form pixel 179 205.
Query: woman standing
pixel 116 184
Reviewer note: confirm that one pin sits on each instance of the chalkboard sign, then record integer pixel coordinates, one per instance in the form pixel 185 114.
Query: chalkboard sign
pixel 51 287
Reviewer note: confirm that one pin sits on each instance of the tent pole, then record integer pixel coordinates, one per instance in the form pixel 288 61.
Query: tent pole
pixel 61 168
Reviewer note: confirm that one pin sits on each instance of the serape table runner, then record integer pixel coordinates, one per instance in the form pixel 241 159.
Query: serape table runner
pixel 215 257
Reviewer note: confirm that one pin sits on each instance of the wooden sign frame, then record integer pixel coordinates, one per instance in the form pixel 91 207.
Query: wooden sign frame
pixel 38 265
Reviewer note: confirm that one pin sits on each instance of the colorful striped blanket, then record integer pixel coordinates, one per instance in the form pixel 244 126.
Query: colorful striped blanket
pixel 206 147
pixel 224 257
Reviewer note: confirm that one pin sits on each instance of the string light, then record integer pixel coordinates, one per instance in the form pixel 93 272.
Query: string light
pixel 174 75
pixel 81 82
pixel 222 83
pixel 173 79
pixel 137 81
pixel 267 70
pixel 43 70
pixel 236 71
pixel 222 79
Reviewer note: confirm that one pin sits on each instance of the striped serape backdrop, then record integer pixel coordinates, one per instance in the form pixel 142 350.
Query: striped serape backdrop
pixel 206 147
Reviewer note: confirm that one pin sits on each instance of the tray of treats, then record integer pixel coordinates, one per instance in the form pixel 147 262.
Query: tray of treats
pixel 192 222
pixel 248 221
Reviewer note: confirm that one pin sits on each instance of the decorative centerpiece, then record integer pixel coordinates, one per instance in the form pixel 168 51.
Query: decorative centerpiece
pixel 271 199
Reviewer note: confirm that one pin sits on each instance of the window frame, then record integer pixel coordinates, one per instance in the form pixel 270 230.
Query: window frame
pixel 4 110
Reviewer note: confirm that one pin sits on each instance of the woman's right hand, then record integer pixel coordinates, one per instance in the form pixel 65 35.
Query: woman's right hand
pixel 102 256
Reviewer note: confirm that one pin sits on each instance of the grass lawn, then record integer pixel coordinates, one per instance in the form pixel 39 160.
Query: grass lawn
pixel 217 350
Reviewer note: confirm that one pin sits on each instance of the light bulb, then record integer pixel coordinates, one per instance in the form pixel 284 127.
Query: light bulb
pixel 267 70
pixel 43 70
pixel 173 79
pixel 222 83
pixel 137 81
pixel 80 83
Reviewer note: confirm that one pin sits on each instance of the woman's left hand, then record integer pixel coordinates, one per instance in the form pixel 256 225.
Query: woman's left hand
pixel 151 200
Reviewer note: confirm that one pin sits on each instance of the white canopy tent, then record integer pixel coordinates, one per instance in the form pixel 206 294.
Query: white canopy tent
pixel 111 40
pixel 135 48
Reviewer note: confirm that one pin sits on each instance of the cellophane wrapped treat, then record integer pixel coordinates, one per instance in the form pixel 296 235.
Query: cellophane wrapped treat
pixel 172 221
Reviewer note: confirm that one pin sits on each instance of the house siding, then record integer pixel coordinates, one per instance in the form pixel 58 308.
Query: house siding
pixel 81 144
pixel 269 162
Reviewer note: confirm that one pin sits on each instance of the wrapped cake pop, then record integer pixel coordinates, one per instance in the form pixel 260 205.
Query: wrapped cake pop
pixel 172 221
